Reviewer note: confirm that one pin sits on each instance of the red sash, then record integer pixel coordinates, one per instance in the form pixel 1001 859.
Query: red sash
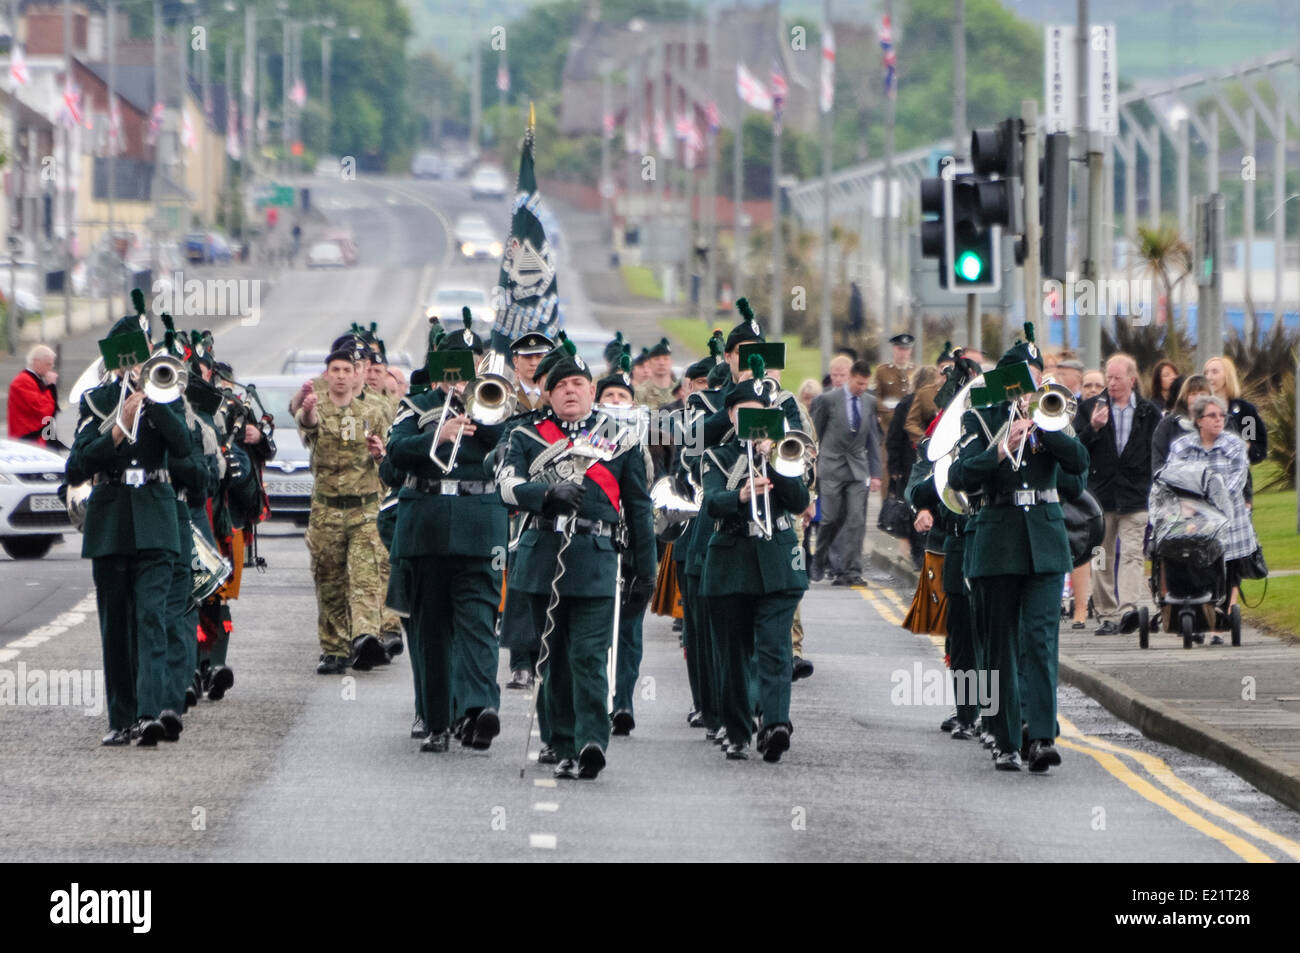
pixel 597 471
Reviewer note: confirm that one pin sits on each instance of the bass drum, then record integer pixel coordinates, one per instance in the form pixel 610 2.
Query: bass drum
pixel 1084 526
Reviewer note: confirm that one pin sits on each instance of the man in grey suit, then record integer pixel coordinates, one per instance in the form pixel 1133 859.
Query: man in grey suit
pixel 848 460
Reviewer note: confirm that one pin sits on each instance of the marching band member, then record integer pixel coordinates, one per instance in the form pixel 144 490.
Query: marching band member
pixel 575 512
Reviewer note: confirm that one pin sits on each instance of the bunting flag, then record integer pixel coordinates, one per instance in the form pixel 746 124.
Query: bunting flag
pixel 828 69
pixel 751 92
pixel 780 89
pixel 890 58
pixel 155 124
pixel 530 299
pixel 18 67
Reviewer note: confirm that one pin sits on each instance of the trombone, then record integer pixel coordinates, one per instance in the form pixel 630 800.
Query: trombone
pixel 491 400
pixel 1051 408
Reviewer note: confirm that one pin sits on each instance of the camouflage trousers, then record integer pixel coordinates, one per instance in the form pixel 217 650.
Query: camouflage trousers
pixel 349 566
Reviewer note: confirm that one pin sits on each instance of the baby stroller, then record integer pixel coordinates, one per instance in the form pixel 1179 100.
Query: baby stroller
pixel 1189 509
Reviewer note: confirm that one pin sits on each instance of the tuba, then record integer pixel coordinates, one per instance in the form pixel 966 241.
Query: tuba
pixel 77 503
pixel 672 510
pixel 794 454
pixel 164 377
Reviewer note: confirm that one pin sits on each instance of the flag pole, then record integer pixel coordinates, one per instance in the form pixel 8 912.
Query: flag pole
pixel 824 324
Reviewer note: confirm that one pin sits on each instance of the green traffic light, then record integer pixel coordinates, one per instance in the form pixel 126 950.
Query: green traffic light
pixel 969 266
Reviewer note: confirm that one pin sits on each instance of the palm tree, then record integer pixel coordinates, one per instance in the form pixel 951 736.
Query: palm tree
pixel 1165 255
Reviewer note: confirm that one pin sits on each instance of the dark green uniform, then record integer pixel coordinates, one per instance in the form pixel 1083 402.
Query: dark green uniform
pixel 449 542
pixel 752 586
pixel 1016 556
pixel 131 534
pixel 574 682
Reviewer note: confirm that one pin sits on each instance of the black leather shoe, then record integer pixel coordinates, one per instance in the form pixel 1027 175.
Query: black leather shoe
pixel 548 755
pixel 191 698
pixel 987 740
pixel 151 732
pixel 711 734
pixel 1128 622
pixel 117 737
pixel 367 652
pixel 417 728
pixel 463 731
pixel 816 572
pixel 802 669
pixel 852 579
pixel 1107 628
pixel 1042 755
pixel 737 751
pixel 393 646
pixel 171 723
pixel 332 665
pixel 484 728
pixel 590 761
pixel 520 678
pixel 778 742
pixel 437 742
pixel 721 737
pixel 622 722
pixel 695 719
pixel 566 770
pixel 223 679
pixel 841 581
pixel 963 733
pixel 1008 761
pixel 949 723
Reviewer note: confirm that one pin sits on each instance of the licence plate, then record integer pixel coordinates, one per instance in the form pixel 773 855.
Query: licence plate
pixel 45 504
pixel 289 487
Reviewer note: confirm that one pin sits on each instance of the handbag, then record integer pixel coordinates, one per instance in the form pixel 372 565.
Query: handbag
pixel 895 517
pixel 1253 566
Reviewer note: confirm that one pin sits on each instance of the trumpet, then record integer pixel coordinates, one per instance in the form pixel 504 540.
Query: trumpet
pixel 1050 408
pixel 492 395
pixel 794 454
pixel 761 517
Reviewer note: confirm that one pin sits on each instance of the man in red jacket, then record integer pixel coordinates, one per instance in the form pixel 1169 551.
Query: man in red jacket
pixel 33 399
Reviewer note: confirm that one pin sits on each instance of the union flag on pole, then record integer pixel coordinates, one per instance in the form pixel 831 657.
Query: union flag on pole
pixel 890 57
pixel 751 91
pixel 114 127
pixel 155 124
pixel 780 89
pixel 711 113
pixel 70 115
pixel 18 67
pixel 609 125
pixel 828 69
pixel 187 131
pixel 503 76
pixel 298 94
pixel 232 130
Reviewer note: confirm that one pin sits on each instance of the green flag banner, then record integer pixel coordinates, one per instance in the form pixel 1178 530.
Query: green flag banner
pixel 528 299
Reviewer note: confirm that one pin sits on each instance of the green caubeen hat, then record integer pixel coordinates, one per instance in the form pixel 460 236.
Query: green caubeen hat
pixel 1025 350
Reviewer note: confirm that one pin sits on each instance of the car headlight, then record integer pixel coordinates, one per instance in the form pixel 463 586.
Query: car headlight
pixel 4 480
pixel 467 248
pixel 496 249
pixel 430 312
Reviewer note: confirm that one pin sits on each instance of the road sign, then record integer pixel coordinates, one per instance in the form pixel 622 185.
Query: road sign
pixel 1103 80
pixel 1060 78
pixel 281 195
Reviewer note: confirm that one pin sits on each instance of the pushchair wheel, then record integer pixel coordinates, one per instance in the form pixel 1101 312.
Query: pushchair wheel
pixel 1185 620
pixel 1234 622
pixel 1144 627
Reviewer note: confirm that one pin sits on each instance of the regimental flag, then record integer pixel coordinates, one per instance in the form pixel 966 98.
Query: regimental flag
pixel 751 91
pixel 18 67
pixel 503 76
pixel 890 58
pixel 780 90
pixel 828 68
pixel 527 296
pixel 155 124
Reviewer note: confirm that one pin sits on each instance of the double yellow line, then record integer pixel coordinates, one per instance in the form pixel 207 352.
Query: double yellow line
pixel 1195 809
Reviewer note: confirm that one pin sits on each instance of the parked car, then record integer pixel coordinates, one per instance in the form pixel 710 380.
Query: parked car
pixel 207 248
pixel 32 517
pixel 476 238
pixel 346 242
pixel 447 301
pixel 487 182
pixel 328 166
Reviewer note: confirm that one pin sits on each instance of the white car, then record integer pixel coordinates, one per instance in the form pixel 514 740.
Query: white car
pixel 476 239
pixel 326 254
pixel 487 183
pixel 447 301
pixel 32 517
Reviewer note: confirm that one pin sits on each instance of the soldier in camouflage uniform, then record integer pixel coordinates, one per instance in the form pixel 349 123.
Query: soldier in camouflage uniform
pixel 345 434
pixel 658 390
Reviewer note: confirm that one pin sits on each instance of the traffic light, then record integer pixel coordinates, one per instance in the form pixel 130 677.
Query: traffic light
pixel 998 161
pixel 1054 205
pixel 969 253
pixel 934 201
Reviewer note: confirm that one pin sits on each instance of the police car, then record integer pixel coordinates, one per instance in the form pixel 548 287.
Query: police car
pixel 32 517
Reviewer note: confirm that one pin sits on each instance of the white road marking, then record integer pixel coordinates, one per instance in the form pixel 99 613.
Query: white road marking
pixel 542 841
pixel 545 782
pixel 42 634
pixel 549 807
